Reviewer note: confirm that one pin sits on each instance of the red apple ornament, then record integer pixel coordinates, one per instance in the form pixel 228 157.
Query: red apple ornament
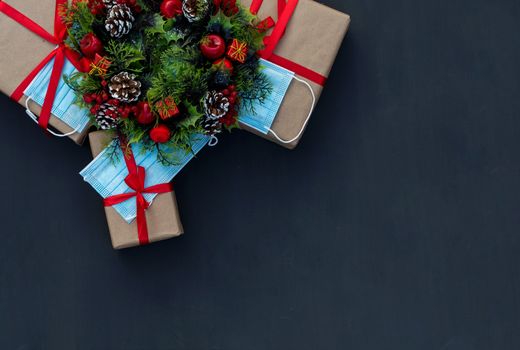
pixel 224 64
pixel 213 46
pixel 160 134
pixel 90 45
pixel 144 115
pixel 171 8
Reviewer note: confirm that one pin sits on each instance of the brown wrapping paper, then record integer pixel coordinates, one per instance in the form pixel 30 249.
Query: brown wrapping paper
pixel 162 217
pixel 21 51
pixel 312 39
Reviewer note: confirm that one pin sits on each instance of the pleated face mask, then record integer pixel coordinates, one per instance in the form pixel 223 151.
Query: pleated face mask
pixel 261 116
pixel 107 176
pixel 63 108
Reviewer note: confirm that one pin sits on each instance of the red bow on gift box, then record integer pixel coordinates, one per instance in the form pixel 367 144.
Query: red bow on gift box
pixel 285 12
pixel 59 54
pixel 135 180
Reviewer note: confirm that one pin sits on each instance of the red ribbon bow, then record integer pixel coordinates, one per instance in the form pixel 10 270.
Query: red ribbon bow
pixel 286 10
pixel 135 180
pixel 59 54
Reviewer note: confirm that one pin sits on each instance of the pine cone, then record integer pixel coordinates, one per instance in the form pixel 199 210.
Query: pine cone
pixel 125 87
pixel 211 126
pixel 195 10
pixel 109 4
pixel 119 21
pixel 216 105
pixel 107 116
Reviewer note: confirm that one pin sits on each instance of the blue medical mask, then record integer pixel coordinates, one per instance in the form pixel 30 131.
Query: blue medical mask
pixel 262 115
pixel 265 112
pixel 107 176
pixel 63 107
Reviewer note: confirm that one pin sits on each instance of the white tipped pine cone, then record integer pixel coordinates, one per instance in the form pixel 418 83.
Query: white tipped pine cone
pixel 195 10
pixel 107 116
pixel 109 4
pixel 216 105
pixel 211 126
pixel 119 21
pixel 125 87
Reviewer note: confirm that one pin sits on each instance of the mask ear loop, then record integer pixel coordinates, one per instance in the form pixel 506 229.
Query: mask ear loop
pixel 306 120
pixel 213 141
pixel 35 119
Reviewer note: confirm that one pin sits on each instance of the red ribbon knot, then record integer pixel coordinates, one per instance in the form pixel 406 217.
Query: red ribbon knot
pixel 136 181
pixel 59 54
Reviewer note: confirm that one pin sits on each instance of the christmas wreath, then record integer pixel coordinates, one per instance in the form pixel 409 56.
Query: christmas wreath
pixel 164 71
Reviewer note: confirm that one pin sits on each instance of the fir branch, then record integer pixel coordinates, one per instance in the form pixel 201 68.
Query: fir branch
pixel 125 56
pixel 253 85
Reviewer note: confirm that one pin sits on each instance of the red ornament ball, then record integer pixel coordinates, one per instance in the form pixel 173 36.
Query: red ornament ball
pixel 160 134
pixel 144 113
pixel 224 64
pixel 213 46
pixel 171 8
pixel 90 45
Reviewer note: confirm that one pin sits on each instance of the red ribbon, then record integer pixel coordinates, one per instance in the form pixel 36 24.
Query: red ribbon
pixel 286 10
pixel 59 54
pixel 135 180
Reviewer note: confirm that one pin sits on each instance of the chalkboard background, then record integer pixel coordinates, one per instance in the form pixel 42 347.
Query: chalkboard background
pixel 394 225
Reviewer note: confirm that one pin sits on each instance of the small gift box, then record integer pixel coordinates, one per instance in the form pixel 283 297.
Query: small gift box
pixel 109 177
pixel 306 43
pixel 30 48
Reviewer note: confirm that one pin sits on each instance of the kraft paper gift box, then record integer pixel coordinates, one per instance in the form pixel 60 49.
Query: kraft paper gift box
pixel 21 51
pixel 312 39
pixel 162 216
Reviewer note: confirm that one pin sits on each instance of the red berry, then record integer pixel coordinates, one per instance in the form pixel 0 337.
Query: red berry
pixel 160 134
pixel 87 98
pixel 104 96
pixel 216 6
pixel 225 92
pixel 232 87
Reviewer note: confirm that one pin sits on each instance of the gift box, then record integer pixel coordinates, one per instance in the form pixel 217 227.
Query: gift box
pixel 311 41
pixel 22 51
pixel 162 217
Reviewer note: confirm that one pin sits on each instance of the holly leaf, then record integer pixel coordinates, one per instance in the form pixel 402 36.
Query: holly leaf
pixel 158 27
pixel 172 36
pixel 194 116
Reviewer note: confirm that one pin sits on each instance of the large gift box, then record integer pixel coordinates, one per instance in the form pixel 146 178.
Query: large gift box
pixel 22 51
pixel 311 41
pixel 162 217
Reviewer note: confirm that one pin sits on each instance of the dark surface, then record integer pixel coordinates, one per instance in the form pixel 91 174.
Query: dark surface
pixel 394 225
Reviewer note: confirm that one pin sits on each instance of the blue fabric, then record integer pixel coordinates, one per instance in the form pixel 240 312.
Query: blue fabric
pixel 63 107
pixel 264 112
pixel 107 176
